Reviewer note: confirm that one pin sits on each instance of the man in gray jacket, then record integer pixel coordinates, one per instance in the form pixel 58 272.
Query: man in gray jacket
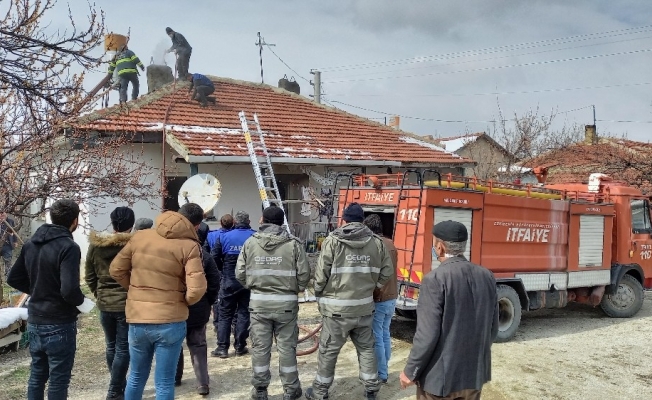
pixel 353 262
pixel 456 325
pixel 273 265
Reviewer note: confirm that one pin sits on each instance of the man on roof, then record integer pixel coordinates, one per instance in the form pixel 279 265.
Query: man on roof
pixel 200 88
pixel 125 63
pixel 183 50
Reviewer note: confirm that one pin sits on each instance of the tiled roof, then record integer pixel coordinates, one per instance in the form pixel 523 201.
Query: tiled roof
pixel 622 159
pixel 295 127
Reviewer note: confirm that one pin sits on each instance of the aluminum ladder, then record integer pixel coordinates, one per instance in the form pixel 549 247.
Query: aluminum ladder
pixel 266 180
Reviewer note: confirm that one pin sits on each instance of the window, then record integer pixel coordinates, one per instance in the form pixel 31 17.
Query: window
pixel 641 216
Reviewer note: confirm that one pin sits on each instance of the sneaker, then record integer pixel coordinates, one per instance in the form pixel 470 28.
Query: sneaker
pixel 177 383
pixel 203 390
pixel 384 381
pixel 310 394
pixel 242 352
pixel 221 353
pixel 370 396
pixel 293 396
pixel 259 394
pixel 116 397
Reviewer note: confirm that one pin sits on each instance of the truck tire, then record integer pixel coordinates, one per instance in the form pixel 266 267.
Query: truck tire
pixel 509 313
pixel 627 300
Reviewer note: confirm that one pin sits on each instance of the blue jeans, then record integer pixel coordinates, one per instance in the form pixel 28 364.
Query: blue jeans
pixel 52 348
pixel 382 320
pixel 145 341
pixel 116 334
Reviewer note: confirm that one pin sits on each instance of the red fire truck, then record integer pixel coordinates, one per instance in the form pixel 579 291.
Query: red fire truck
pixel 547 245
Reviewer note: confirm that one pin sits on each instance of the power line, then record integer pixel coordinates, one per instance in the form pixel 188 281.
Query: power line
pixel 284 63
pixel 490 50
pixel 406 116
pixel 575 109
pixel 494 93
pixel 496 58
pixel 624 121
pixel 622 53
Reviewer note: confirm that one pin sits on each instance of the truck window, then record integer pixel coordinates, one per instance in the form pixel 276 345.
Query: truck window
pixel 641 216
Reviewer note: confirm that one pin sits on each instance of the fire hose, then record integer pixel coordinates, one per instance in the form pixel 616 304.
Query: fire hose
pixel 309 334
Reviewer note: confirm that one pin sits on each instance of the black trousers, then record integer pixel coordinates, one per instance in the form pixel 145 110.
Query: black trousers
pixel 230 303
pixel 201 92
pixel 124 84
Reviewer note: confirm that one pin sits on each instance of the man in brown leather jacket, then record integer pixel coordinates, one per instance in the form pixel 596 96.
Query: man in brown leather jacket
pixel 385 302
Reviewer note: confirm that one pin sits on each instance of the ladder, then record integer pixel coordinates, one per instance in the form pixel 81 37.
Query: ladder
pixel 420 176
pixel 263 171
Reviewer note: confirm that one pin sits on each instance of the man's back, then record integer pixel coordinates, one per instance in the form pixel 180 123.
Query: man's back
pixel 274 267
pixel 48 269
pixel 457 310
pixel 230 245
pixel 352 264
pixel 162 270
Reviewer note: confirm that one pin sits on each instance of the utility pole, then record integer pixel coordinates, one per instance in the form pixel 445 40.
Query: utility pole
pixel 261 42
pixel 317 85
pixel 593 106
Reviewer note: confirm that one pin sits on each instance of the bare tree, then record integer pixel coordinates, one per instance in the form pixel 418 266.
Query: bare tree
pixel 530 135
pixel 42 158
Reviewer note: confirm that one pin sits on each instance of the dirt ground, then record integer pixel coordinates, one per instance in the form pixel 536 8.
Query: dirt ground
pixel 571 353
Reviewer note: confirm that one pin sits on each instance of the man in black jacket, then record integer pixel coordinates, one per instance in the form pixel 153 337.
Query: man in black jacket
pixel 183 51
pixel 456 325
pixel 200 312
pixel 48 270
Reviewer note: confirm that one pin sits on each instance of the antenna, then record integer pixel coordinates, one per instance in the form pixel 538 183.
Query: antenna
pixel 261 42
pixel 202 189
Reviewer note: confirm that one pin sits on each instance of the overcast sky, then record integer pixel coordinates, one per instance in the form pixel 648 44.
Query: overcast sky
pixel 529 52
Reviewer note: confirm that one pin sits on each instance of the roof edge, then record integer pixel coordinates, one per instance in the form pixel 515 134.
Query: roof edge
pixel 287 160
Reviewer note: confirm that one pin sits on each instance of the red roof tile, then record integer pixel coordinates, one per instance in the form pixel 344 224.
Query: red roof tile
pixel 295 126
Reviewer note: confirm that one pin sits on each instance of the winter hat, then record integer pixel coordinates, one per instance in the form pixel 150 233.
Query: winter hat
pixel 122 219
pixel 273 215
pixel 168 30
pixel 353 213
pixel 143 223
pixel 450 231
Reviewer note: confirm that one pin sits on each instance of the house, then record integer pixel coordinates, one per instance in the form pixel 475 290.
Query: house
pixel 309 145
pixel 624 160
pixel 488 154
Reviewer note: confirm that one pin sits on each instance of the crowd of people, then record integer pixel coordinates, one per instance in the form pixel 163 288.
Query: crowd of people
pixel 155 284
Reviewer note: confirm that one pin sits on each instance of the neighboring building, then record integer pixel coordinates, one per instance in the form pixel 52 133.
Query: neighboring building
pixel 309 144
pixel 488 154
pixel 624 160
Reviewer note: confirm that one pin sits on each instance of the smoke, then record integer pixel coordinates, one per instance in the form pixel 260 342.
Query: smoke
pixel 159 55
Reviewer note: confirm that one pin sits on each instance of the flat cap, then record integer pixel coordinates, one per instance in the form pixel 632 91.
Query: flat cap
pixel 450 231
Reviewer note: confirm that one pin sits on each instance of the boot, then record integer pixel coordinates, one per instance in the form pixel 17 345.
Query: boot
pixel 221 353
pixel 242 352
pixel 259 394
pixel 370 396
pixel 293 396
pixel 310 395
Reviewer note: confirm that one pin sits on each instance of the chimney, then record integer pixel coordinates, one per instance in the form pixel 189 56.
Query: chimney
pixel 395 122
pixel 158 76
pixel 590 136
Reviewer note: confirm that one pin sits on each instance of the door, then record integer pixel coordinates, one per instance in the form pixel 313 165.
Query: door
pixel 642 236
pixel 461 215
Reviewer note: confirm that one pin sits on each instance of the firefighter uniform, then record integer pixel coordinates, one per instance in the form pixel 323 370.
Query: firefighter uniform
pixel 125 64
pixel 353 262
pixel 233 296
pixel 274 267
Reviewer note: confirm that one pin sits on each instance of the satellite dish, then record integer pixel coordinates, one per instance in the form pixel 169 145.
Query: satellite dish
pixel 203 189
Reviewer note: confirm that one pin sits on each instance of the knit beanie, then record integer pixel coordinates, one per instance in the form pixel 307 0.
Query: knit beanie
pixel 168 30
pixel 122 219
pixel 353 213
pixel 273 215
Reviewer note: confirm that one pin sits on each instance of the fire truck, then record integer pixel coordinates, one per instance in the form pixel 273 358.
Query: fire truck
pixel 547 245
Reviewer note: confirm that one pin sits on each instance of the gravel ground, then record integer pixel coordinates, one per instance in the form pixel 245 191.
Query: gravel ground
pixel 571 353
